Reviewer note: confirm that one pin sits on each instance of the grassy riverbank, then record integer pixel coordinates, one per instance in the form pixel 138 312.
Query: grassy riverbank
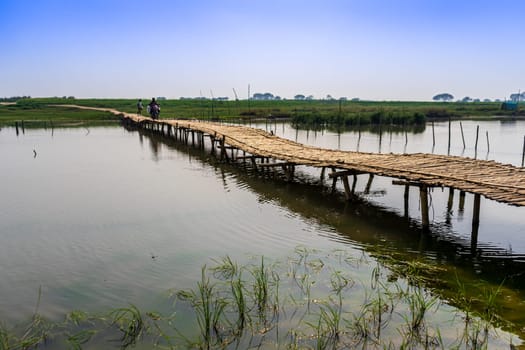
pixel 313 300
pixel 315 112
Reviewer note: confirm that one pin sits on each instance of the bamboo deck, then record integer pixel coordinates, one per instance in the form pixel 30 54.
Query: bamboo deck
pixel 500 182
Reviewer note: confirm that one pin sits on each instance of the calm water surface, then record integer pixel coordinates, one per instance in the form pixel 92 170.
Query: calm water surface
pixel 103 217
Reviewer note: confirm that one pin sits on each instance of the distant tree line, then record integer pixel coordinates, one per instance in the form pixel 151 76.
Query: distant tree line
pixel 265 97
pixel 443 97
pixel 299 97
pixel 448 97
pixel 13 98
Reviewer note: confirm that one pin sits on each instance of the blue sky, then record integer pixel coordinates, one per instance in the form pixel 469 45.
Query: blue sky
pixel 371 49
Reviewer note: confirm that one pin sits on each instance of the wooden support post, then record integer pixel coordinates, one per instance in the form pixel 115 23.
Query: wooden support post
pixel 475 222
pixel 348 193
pixel 461 208
pixel 488 144
pixel 449 127
pixel 224 154
pixel 193 138
pixel 369 183
pixel 462 135
pixel 450 199
pixel 475 214
pixel 323 169
pixel 17 132
pixel 423 196
pixel 433 136
pixel 334 180
pixel 523 154
pixel 450 202
pixel 354 184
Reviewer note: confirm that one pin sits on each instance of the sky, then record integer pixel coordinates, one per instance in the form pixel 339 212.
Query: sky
pixel 367 49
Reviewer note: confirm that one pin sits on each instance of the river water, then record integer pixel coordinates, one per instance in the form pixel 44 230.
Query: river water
pixel 98 217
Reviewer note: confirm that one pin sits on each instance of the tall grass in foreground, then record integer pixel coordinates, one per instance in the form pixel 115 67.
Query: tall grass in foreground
pixel 311 301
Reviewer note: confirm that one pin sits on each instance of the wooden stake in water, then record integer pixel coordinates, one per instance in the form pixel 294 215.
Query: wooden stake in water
pixel 433 135
pixel 449 135
pixel 523 154
pixel 476 145
pixel 423 197
pixel 406 133
pixel 462 135
pixel 488 144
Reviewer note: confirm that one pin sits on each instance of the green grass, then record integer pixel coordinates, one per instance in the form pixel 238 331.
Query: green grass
pixel 315 112
pixel 44 115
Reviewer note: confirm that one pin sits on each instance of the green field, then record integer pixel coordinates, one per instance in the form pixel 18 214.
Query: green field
pixel 314 112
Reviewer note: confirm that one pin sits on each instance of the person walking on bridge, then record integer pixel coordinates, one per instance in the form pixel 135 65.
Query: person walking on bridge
pixel 139 107
pixel 154 109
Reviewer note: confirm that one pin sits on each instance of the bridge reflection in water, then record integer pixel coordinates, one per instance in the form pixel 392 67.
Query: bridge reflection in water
pixel 392 238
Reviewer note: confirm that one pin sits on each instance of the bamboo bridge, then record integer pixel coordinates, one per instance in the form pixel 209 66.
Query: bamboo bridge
pixel 500 182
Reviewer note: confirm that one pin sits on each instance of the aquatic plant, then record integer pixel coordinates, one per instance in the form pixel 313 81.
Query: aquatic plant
pixel 243 306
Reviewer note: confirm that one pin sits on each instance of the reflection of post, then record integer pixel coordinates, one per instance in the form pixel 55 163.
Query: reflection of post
pixel 475 222
pixel 407 189
pixel 390 134
pixel 423 196
pixel 380 136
